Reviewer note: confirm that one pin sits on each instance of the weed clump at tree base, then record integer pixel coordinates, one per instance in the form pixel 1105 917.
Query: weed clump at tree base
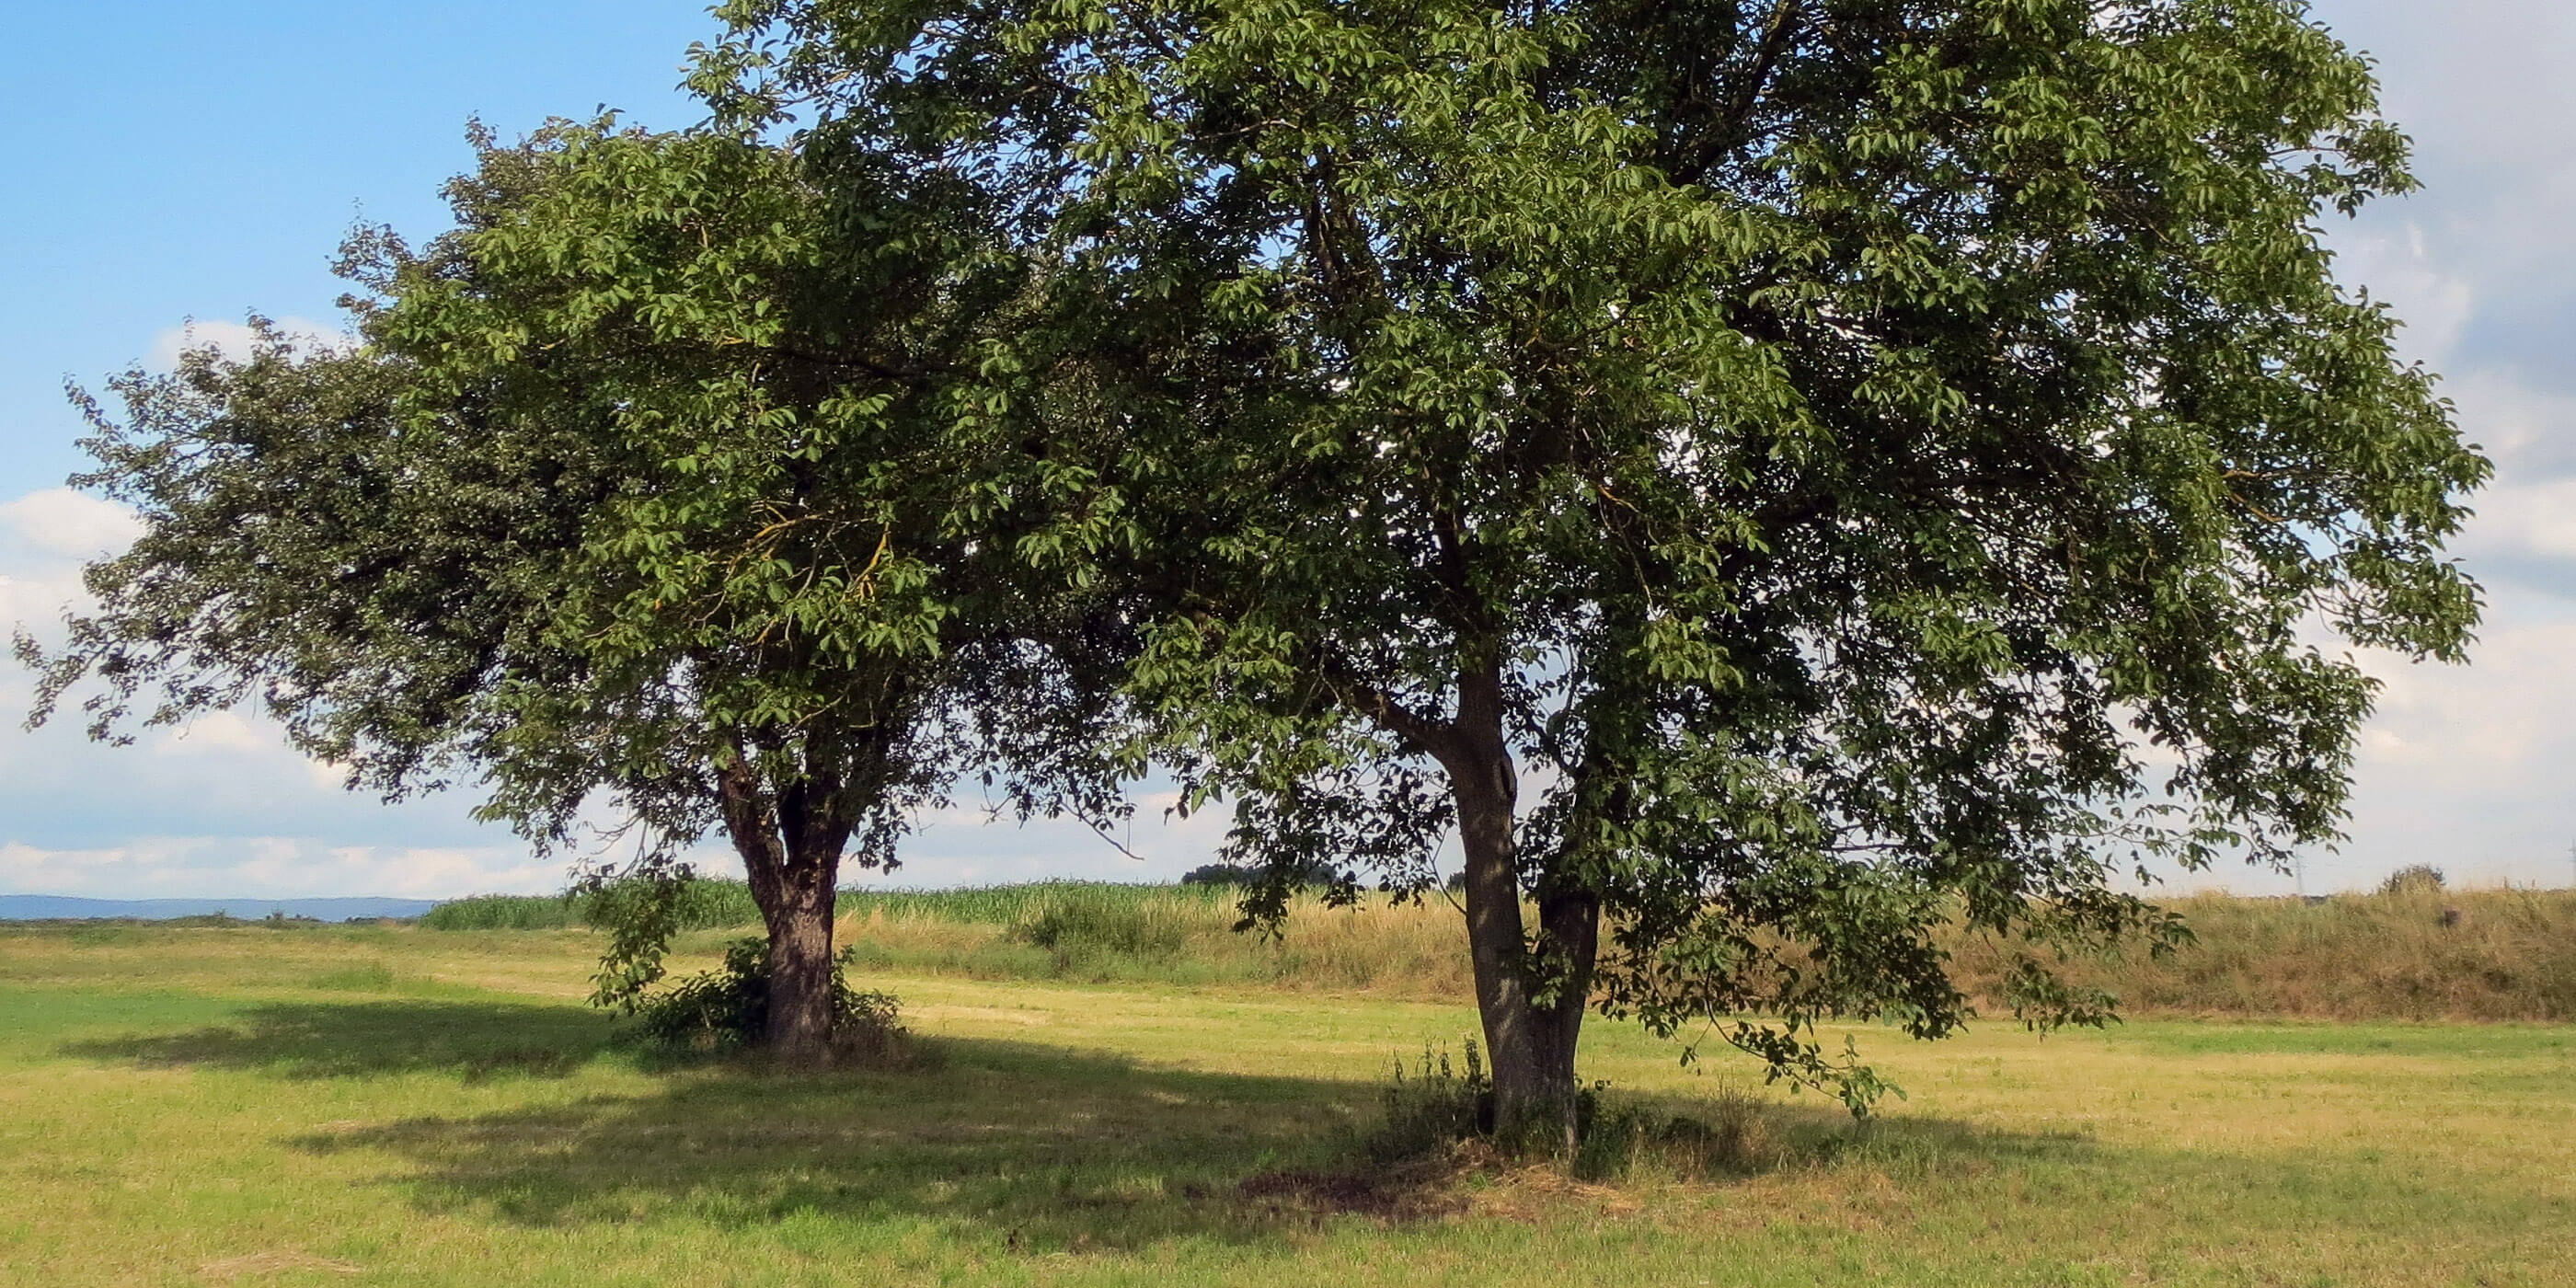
pixel 1442 1113
pixel 725 1011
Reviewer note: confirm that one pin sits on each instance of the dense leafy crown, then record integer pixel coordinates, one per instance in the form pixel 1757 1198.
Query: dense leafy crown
pixel 668 459
pixel 1903 457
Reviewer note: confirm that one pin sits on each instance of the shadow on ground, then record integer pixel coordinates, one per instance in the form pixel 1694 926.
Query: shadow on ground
pixel 476 1040
pixel 1031 1146
pixel 1005 1146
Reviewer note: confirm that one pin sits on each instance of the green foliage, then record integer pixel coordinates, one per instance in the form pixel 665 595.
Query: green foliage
pixel 1077 923
pixel 502 912
pixel 661 487
pixel 2414 878
pixel 641 910
pixel 1811 450
pixel 703 904
pixel 727 1010
pixel 1311 875
pixel 1005 905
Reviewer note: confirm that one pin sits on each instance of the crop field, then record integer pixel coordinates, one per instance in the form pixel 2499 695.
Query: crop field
pixel 250 1104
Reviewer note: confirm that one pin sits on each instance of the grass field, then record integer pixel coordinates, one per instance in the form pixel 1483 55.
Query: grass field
pixel 396 1105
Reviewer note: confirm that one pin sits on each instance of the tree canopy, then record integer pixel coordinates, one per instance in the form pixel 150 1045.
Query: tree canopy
pixel 1768 475
pixel 668 487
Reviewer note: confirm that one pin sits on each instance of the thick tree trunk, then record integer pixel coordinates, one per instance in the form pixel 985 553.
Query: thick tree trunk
pixel 800 957
pixel 790 843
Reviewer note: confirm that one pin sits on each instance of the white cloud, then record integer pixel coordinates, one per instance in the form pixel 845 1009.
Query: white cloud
pixel 2464 77
pixel 2502 727
pixel 59 524
pixel 220 806
pixel 2469 769
pixel 2533 520
pixel 45 538
pixel 271 867
pixel 218 733
pixel 964 844
pixel 2399 269
pixel 2530 433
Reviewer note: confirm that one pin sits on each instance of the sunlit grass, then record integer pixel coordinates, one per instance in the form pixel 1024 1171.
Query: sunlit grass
pixel 389 1105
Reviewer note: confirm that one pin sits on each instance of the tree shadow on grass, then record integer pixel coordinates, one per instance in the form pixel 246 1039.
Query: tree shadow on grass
pixel 475 1040
pixel 1006 1146
pixel 1021 1147
pixel 1002 1147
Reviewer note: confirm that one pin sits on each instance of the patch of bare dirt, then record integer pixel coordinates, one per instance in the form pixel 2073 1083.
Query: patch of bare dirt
pixel 1398 1196
pixel 271 1263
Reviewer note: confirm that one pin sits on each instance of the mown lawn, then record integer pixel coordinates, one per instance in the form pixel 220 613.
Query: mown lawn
pixel 389 1105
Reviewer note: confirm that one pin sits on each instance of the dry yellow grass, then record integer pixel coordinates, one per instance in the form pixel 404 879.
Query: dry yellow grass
pixel 2502 955
pixel 1408 951
pixel 2497 955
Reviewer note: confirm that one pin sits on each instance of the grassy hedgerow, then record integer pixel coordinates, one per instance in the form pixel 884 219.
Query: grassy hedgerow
pixel 705 905
pixel 2417 952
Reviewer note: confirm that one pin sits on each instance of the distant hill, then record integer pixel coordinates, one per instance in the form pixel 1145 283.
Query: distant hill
pixel 50 907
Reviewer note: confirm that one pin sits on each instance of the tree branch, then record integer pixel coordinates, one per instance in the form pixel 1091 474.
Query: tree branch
pixel 1436 738
pixel 1729 126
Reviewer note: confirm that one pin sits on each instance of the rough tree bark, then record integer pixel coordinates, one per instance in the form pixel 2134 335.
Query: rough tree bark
pixel 791 842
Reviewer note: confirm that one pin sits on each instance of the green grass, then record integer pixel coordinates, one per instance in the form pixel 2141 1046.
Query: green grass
pixel 503 912
pixel 1012 904
pixel 391 1105
pixel 712 904
pixel 704 905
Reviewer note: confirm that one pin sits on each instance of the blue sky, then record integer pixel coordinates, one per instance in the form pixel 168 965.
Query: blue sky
pixel 202 160
pixel 181 160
